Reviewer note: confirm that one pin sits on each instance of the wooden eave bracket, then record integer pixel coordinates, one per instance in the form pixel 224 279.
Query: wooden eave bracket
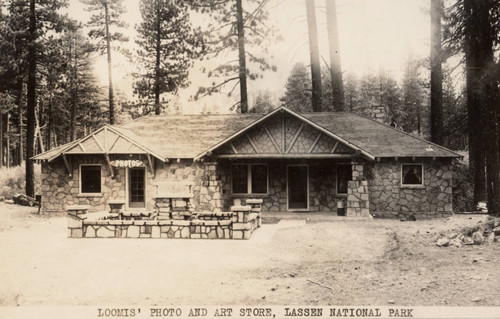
pixel 68 166
pixel 151 164
pixel 108 161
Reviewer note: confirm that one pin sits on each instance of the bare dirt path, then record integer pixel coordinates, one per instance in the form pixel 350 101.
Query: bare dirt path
pixel 363 262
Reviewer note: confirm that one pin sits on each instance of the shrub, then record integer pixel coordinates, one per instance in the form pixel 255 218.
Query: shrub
pixel 463 188
pixel 12 180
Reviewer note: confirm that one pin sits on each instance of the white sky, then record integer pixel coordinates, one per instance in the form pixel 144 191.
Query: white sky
pixel 374 34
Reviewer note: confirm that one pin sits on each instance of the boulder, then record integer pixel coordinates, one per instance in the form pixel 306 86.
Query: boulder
pixel 478 238
pixel 443 242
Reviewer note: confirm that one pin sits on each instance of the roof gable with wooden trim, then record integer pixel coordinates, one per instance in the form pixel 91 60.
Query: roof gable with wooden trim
pixel 283 135
pixel 106 140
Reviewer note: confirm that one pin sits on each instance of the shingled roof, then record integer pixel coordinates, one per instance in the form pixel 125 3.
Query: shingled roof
pixel 189 136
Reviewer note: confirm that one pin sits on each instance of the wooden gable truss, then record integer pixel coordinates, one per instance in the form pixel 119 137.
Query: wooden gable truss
pixel 106 141
pixel 285 135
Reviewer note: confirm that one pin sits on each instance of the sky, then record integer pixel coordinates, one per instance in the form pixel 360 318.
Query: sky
pixel 374 35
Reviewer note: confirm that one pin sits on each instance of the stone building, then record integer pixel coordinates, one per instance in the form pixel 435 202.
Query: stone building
pixel 341 163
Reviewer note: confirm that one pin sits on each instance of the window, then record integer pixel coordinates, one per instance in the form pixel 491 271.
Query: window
pixel 412 174
pixel 344 175
pixel 249 178
pixel 90 177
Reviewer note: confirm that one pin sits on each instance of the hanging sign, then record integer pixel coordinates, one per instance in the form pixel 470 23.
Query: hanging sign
pixel 127 163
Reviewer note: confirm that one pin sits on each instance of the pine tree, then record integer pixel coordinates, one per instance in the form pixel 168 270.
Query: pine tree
pixel 335 66
pixel 314 55
pixel 168 46
pixel 436 61
pixel 235 26
pixel 106 15
pixel 298 90
pixel 263 103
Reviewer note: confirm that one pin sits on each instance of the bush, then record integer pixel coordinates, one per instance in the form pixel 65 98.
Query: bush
pixel 12 180
pixel 463 188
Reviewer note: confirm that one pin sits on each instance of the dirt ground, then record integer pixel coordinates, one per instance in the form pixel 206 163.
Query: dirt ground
pixel 370 262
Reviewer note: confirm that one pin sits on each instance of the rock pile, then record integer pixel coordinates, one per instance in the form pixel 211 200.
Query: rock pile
pixel 487 232
pixel 24 200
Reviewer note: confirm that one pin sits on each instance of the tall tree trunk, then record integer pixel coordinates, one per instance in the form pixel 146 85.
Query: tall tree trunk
pixel 475 64
pixel 1 139
pixel 110 68
pixel 436 73
pixel 19 101
pixel 242 57
pixel 157 62
pixel 74 101
pixel 335 66
pixel 7 140
pixel 314 53
pixel 30 129
pixel 49 124
pixel 492 150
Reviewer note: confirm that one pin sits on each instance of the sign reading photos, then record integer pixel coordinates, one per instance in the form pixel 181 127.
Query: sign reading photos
pixel 127 163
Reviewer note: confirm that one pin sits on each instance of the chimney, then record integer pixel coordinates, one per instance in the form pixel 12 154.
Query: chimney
pixel 378 112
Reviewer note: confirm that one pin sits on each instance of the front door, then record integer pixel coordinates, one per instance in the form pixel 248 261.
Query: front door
pixel 136 187
pixel 298 187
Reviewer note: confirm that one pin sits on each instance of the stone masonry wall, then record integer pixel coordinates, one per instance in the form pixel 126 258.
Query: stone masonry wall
pixel 322 185
pixel 389 199
pixel 60 190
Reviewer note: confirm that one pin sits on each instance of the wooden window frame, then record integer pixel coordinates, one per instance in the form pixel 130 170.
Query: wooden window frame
pixel 249 179
pixel 80 193
pixel 337 178
pixel 308 190
pixel 421 185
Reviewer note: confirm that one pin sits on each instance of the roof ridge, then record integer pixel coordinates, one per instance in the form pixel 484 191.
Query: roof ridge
pixel 408 134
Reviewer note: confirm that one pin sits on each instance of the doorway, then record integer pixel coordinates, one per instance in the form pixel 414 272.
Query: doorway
pixel 298 187
pixel 137 187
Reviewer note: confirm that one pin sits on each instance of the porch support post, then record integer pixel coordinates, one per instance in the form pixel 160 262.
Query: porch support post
pixel 68 166
pixel 358 201
pixel 151 165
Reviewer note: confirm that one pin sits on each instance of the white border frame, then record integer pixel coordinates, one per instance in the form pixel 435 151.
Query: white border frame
pixel 337 179
pixel 249 180
pixel 287 197
pixel 422 185
pixel 80 181
pixel 127 189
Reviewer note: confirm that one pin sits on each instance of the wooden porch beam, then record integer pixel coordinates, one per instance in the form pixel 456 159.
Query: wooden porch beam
pixel 68 166
pixel 252 143
pixel 98 143
pixel 284 156
pixel 272 139
pixel 314 143
pixel 108 161
pixel 81 146
pixel 334 147
pixel 233 148
pixel 295 137
pixel 113 144
pixel 105 138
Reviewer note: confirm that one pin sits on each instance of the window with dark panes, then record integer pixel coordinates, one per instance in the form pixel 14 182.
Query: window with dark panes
pixel 259 179
pixel 239 175
pixel 90 178
pixel 412 174
pixel 344 175
pixel 249 178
